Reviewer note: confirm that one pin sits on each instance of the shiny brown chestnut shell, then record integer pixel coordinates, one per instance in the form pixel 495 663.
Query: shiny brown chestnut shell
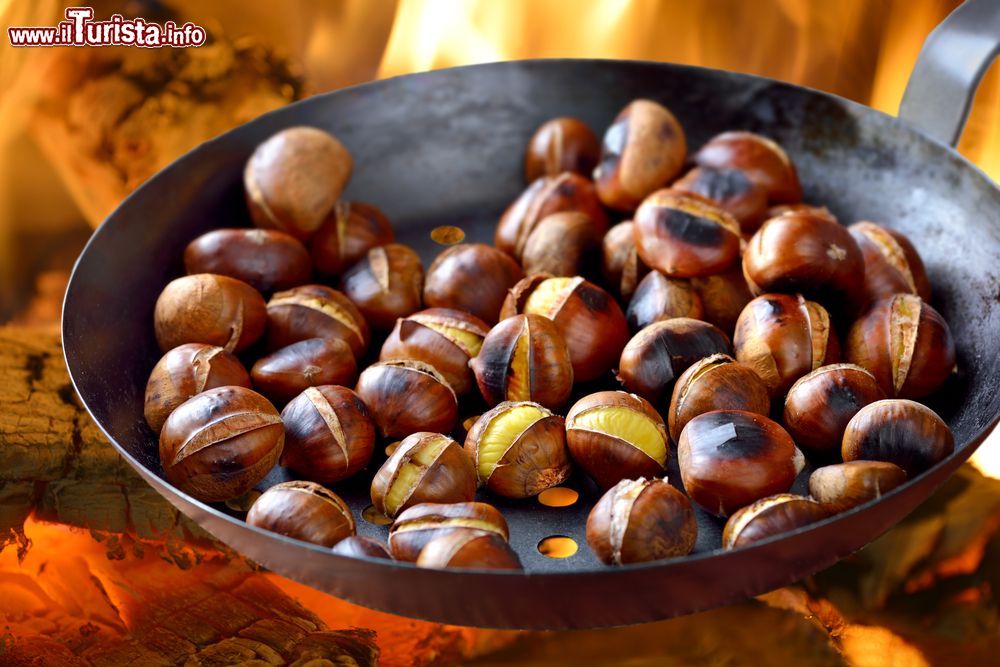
pixel 892 265
pixel 220 443
pixel 386 284
pixel 614 435
pixel 447 339
pixel 899 431
pixel 524 358
pixel 472 277
pixel 211 309
pixel 347 234
pixel 731 190
pixel 783 337
pixel 589 319
pixel 723 297
pixel 620 264
pixel 265 259
pixel 730 458
pixel 424 468
pixel 360 546
pixel 683 236
pixel 303 511
pixel 906 345
pixel 293 180
pixel 807 254
pixel 185 371
pixel 315 311
pixel 562 244
pixel 845 485
pixel 660 298
pixel 405 396
pixel 419 524
pixel 519 449
pixel 545 196
pixel 558 145
pixel 656 356
pixel 642 151
pixel 641 520
pixel 800 207
pixel 717 382
pixel 770 516
pixel 475 549
pixel 760 158
pixel 329 434
pixel 290 370
pixel 820 404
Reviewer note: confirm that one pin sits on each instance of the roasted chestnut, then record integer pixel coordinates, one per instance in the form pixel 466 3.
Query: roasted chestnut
pixel 293 180
pixel 899 431
pixel 640 520
pixel 519 449
pixel 770 516
pixel 800 207
pixel 589 319
pixel 545 196
pixel 892 264
pixel 906 345
pixel 731 190
pixel 329 434
pixel 683 236
pixel 446 339
pixel 387 283
pixel 359 546
pixel 658 354
pixel 288 371
pixel 760 158
pixel 819 405
pixel 348 233
pixel 809 254
pixel 185 371
pixel 265 259
pixel 620 264
pixel 478 549
pixel 558 145
pixel 418 525
pixel 723 297
pixel 220 443
pixel 211 309
pixel 425 468
pixel 473 277
pixel 524 358
pixel 717 382
pixel 730 458
pixel 614 435
pixel 642 151
pixel 303 511
pixel 315 311
pixel 660 298
pixel 562 244
pixel 782 337
pixel 846 485
pixel 405 396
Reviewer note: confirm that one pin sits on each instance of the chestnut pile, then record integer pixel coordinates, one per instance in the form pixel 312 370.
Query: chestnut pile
pixel 748 329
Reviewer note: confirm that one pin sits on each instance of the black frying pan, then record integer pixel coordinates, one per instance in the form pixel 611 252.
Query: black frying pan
pixel 445 148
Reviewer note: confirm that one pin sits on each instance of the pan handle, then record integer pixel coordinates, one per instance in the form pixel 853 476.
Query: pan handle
pixel 952 61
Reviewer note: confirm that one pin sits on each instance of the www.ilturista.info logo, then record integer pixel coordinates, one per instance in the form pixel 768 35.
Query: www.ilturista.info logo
pixel 80 29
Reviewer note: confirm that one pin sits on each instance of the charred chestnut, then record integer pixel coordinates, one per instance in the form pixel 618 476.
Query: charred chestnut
pixel 265 259
pixel 562 244
pixel 819 405
pixel 303 511
pixel 558 145
pixel 641 520
pixel 731 190
pixel 892 264
pixel 211 309
pixel 329 434
pixel 288 371
pixel 660 298
pixel 899 431
pixel 405 396
pixel 620 264
pixel 614 435
pixel 760 158
pixel 386 284
pixel 770 516
pixel 906 345
pixel 723 297
pixel 346 236
pixel 730 458
pixel 717 382
pixel 642 151
pixel 425 468
pixel 359 546
pixel 478 549
pixel 846 485
pixel 293 180
pixel 473 277
pixel 519 449
pixel 418 525
pixel 220 443
pixel 315 311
